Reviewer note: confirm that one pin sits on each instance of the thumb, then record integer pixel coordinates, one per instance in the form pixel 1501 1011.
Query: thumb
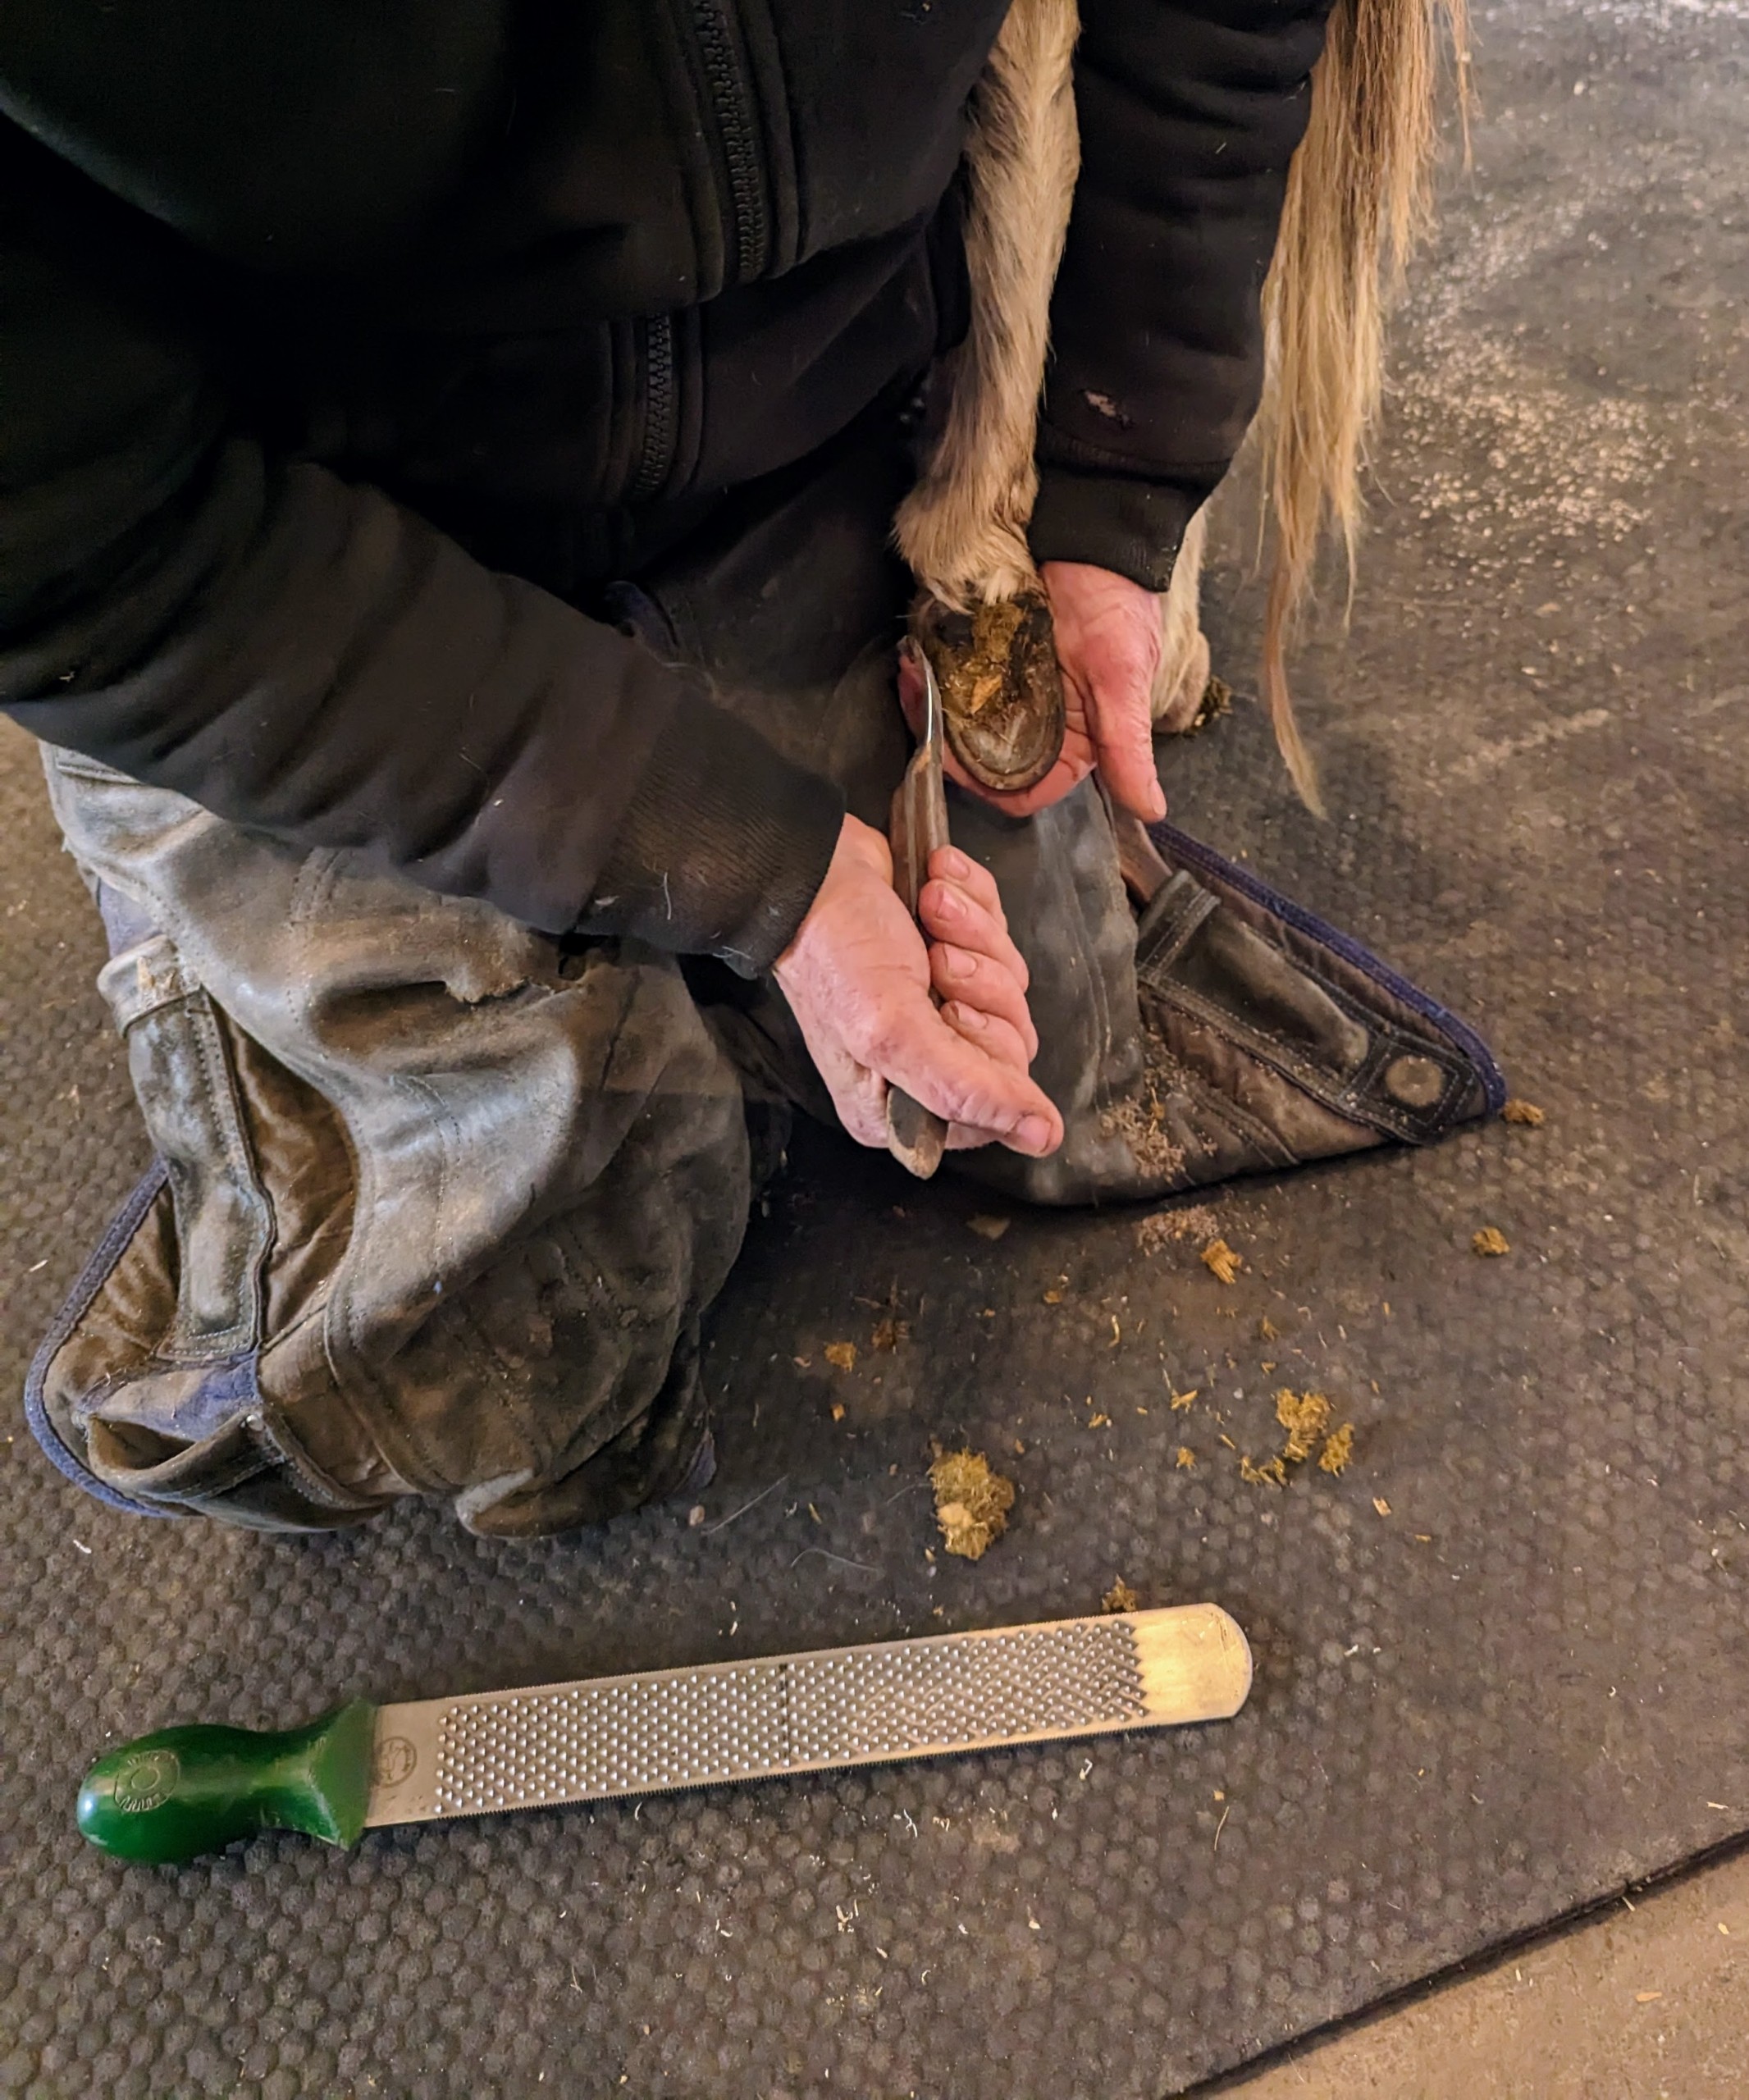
pixel 1123 735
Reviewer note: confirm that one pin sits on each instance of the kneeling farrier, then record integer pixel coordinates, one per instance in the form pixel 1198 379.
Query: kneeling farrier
pixel 465 473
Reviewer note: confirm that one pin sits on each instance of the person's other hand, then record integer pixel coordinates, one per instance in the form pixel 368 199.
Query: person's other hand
pixel 857 977
pixel 1108 650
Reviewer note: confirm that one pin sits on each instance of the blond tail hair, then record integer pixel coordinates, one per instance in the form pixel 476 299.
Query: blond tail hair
pixel 1359 197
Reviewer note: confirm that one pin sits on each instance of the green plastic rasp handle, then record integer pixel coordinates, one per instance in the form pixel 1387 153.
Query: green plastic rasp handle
pixel 183 1791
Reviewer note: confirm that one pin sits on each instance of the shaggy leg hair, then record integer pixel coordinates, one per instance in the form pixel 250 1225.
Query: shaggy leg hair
pixel 963 527
pixel 1182 678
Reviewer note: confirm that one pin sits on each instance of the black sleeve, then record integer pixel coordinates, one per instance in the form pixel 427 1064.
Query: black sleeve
pixel 1189 113
pixel 306 657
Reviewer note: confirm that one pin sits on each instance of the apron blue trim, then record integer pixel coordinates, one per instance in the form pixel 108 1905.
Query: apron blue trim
pixel 92 1278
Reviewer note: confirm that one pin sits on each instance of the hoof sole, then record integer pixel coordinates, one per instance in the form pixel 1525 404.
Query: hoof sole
pixel 1000 691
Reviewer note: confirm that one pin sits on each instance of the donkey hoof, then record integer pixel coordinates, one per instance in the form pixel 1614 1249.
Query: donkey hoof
pixel 1000 691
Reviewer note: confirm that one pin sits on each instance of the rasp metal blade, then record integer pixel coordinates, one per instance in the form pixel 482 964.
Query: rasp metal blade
pixel 600 1737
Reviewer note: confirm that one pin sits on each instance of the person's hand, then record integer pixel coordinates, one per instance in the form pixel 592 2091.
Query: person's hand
pixel 857 977
pixel 1108 649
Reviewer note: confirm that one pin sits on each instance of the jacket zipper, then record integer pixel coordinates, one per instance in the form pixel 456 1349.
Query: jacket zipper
pixel 735 127
pixel 732 105
pixel 661 404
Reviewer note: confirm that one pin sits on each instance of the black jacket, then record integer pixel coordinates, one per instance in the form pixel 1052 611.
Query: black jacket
pixel 344 350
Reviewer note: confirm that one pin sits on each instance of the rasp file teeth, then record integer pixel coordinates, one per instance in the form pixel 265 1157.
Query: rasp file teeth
pixel 741 1720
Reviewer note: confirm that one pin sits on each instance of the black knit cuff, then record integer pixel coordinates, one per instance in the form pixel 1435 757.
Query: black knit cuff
pixel 1133 527
pixel 724 843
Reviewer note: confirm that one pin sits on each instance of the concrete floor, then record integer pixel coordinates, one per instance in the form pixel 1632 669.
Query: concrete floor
pixel 1648 2001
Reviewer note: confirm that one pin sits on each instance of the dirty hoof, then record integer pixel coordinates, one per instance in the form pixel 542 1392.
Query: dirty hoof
pixel 1001 691
pixel 1216 700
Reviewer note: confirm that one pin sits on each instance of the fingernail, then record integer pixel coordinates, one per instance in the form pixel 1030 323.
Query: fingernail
pixel 970 1017
pixel 1033 1132
pixel 957 962
pixel 953 862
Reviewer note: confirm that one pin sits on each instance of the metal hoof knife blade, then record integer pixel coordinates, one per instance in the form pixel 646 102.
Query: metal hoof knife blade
pixel 917 826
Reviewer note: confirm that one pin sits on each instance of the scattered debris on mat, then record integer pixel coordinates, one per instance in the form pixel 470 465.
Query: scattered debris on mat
pixel 1271 1473
pixel 1491 1240
pixel 1221 1263
pixel 1525 1113
pixel 1120 1597
pixel 972 1502
pixel 989 1228
pixel 1306 1418
pixel 1160 1228
pixel 842 1355
pixel 1339 1447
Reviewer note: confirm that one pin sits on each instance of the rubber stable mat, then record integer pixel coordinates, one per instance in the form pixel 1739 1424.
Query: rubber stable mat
pixel 1501 1660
